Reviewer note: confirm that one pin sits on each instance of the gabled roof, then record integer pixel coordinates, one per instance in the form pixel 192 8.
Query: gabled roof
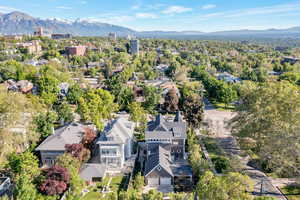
pixel 69 134
pixel 160 158
pixel 117 132
pixel 90 170
pixel 160 128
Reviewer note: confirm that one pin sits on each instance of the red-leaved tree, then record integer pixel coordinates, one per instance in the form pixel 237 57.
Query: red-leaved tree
pixel 78 151
pixel 88 138
pixel 56 180
pixel 53 187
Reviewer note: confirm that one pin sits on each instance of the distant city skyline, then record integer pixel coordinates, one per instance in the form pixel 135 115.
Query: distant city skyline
pixel 166 15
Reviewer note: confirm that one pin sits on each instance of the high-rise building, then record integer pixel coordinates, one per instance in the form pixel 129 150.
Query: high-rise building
pixel 112 36
pixel 39 32
pixel 134 46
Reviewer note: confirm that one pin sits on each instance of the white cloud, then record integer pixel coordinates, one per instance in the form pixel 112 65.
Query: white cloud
pixel 146 16
pixel 266 10
pixel 6 9
pixel 208 6
pixel 110 19
pixel 64 7
pixel 176 9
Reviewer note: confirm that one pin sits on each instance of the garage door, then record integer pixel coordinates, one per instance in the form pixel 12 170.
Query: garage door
pixel 165 181
pixel 153 181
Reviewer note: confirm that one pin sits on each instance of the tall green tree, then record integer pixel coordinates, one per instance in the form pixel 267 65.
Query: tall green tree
pixel 97 105
pixel 269 115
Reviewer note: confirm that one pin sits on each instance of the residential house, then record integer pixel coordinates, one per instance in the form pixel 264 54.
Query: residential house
pixel 115 144
pixel 290 59
pixel 228 78
pixel 23 86
pixel 63 89
pixel 32 47
pixel 4 185
pixel 54 145
pixel 134 47
pixel 76 50
pixel 93 172
pixel 166 163
pixel 168 133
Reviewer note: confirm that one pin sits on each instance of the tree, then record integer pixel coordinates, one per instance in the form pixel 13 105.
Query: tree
pixel 171 101
pixel 269 116
pixel 125 97
pixel 76 183
pixel 48 87
pixel 234 186
pixel 68 161
pixel 17 109
pixel 53 187
pixel 56 180
pixel 51 54
pixel 24 188
pixel 44 123
pixel 130 194
pixel 293 77
pixel 152 98
pixel 193 110
pixel 153 195
pixel 96 106
pixel 138 183
pixel 64 112
pixel 138 114
pixel 88 138
pixel 24 163
pixel 78 151
pixel 227 94
pixel 74 94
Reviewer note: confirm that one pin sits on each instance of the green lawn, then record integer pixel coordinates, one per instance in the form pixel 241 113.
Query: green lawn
pixel 92 195
pixel 211 146
pixel 116 182
pixel 292 192
pixel 222 106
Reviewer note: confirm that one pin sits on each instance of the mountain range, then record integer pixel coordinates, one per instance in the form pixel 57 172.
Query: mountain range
pixel 21 23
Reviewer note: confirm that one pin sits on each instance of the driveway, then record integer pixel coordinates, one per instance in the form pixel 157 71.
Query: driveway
pixel 217 121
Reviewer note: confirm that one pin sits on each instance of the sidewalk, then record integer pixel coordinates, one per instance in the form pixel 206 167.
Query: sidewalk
pixel 217 121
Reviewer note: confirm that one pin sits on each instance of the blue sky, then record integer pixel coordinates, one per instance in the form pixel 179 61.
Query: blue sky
pixel 200 15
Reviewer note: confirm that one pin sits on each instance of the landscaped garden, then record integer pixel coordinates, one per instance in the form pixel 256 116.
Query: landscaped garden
pixel 116 183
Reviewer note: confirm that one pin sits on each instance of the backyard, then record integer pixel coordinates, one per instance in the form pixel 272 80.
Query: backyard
pixel 115 183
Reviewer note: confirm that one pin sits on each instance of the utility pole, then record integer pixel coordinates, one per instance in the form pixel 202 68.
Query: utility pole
pixel 261 186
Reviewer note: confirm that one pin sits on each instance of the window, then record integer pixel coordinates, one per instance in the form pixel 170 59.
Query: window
pixel 158 168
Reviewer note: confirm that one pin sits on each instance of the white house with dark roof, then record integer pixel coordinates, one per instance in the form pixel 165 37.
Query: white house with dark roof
pixel 115 143
pixel 54 145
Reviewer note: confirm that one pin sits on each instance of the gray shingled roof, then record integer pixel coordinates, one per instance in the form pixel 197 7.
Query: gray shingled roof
pixel 160 128
pixel 69 134
pixel 161 157
pixel 90 170
pixel 117 132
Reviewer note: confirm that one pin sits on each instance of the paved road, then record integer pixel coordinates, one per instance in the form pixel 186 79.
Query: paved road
pixel 217 124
